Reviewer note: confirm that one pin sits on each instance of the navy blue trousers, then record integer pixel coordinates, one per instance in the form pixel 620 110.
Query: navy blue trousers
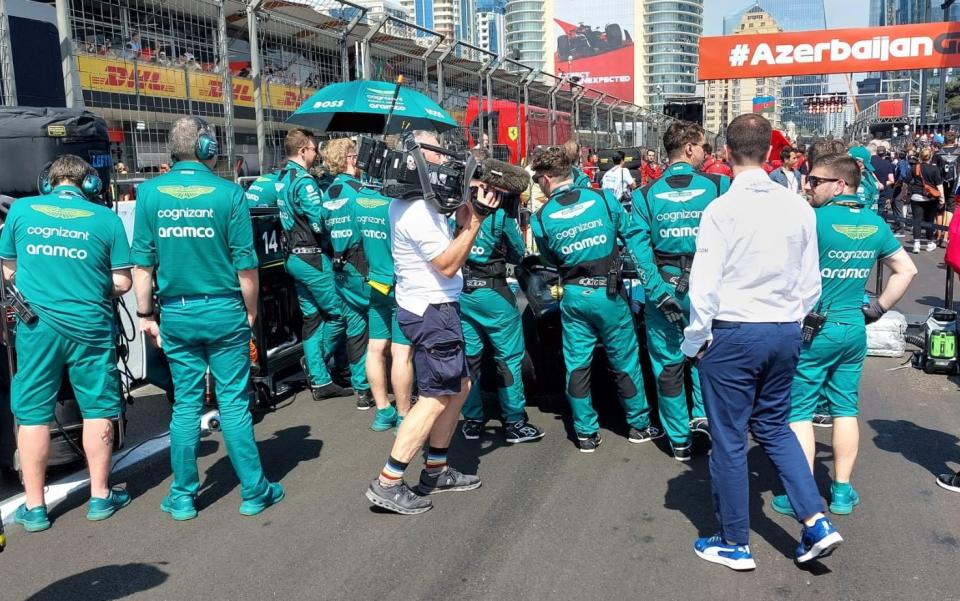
pixel 745 376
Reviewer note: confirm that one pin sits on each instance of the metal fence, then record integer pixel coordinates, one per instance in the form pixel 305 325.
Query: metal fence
pixel 246 66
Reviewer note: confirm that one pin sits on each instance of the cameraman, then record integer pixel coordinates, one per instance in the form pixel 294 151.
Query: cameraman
pixel 193 234
pixel 618 180
pixel 73 257
pixel 429 284
pixel 577 230
pixel 308 263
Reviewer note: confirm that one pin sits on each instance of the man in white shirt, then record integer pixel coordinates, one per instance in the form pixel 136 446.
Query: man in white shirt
pixel 754 277
pixel 617 179
pixel 427 262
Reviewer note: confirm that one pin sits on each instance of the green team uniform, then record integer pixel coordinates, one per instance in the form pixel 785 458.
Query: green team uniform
pixel 667 213
pixel 488 310
pixel 350 270
pixel 263 191
pixel 372 212
pixel 851 240
pixel 577 230
pixel 309 264
pixel 194 228
pixel 868 192
pixel 580 179
pixel 66 250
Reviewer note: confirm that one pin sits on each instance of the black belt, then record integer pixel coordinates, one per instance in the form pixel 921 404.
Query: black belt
pixel 719 324
pixel 472 283
pixel 680 260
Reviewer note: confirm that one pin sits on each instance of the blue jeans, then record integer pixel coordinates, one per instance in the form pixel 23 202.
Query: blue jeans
pixel 746 375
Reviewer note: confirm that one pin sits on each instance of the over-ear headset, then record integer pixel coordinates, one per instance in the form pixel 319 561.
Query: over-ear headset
pixel 91 186
pixel 207 147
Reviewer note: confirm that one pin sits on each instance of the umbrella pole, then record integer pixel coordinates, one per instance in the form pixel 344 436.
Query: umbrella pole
pixel 393 103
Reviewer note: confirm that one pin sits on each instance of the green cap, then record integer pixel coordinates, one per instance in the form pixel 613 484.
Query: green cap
pixel 863 154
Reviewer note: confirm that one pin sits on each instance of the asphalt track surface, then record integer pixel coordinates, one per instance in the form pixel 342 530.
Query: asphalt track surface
pixel 548 522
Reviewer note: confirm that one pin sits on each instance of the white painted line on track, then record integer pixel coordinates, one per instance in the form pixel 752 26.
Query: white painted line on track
pixel 56 492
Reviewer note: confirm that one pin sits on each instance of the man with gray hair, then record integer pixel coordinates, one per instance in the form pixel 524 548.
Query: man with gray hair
pixel 193 234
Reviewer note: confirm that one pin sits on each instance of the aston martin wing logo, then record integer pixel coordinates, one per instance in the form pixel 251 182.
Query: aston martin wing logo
pixel 856 232
pixel 372 203
pixel 185 192
pixel 333 205
pixel 571 212
pixel 679 195
pixel 61 213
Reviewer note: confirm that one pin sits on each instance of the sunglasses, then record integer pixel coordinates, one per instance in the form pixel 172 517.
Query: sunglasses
pixel 816 181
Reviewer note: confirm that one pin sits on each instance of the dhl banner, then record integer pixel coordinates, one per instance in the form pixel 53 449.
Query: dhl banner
pixel 893 48
pixel 118 76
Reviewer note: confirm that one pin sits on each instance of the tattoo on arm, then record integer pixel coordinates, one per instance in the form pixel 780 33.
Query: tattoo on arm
pixel 107 435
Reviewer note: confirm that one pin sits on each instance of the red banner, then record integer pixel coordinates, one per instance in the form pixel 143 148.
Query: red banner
pixel 895 48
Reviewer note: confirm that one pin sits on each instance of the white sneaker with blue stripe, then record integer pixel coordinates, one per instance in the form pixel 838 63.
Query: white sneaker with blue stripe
pixel 819 540
pixel 716 550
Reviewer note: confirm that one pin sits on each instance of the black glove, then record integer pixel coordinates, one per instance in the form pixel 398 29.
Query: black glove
pixel 873 311
pixel 670 308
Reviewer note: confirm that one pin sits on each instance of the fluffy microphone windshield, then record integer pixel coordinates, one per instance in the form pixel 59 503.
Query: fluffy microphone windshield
pixel 505 176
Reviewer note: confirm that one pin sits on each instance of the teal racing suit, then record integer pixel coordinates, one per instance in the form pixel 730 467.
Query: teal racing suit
pixel 309 265
pixel 263 191
pixel 489 313
pixel 577 230
pixel 580 179
pixel 667 213
pixel 350 270
pixel 869 192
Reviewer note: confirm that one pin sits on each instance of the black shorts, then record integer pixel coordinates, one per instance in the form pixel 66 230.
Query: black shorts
pixel 438 348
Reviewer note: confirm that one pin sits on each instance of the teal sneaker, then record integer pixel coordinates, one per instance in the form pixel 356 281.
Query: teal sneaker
pixel 843 498
pixel 33 520
pixel 273 495
pixel 180 509
pixel 101 509
pixel 781 504
pixel 385 419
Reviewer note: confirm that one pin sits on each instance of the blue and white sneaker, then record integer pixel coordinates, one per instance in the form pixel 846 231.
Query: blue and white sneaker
pixel 819 540
pixel 716 550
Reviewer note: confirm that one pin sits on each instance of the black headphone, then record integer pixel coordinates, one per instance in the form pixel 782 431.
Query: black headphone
pixel 91 186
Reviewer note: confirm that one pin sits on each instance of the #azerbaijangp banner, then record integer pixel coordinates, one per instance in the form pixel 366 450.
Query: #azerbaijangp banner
pixel 893 48
pixel 122 77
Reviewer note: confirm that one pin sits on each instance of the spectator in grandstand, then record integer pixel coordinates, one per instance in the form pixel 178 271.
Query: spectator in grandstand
pixel 651 170
pixel 131 49
pixel 755 275
pixel 163 60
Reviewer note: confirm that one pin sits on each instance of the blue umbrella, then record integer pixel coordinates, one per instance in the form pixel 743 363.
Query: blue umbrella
pixel 373 107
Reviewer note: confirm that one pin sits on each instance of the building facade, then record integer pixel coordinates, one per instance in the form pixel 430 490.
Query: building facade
pixel 525 36
pixel 672 31
pixel 724 99
pixel 793 15
pixel 454 19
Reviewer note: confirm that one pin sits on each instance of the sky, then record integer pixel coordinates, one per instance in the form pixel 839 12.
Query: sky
pixel 845 13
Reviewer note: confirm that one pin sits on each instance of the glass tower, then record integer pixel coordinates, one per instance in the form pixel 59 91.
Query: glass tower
pixel 673 31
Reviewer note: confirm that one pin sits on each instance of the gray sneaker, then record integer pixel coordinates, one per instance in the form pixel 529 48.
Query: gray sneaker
pixel 398 499
pixel 447 480
pixel 638 435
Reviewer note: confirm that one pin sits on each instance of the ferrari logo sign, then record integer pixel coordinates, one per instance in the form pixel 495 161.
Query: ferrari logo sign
pixel 513 133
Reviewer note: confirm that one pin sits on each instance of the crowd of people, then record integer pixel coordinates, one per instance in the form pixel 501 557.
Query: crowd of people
pixel 754 291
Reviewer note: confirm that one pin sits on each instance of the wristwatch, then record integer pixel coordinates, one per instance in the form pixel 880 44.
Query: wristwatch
pixel 150 313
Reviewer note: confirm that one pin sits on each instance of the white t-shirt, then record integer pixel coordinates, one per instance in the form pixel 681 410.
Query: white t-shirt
pixel 419 236
pixel 618 180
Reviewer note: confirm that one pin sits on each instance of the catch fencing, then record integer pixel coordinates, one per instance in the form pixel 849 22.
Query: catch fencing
pixel 246 66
